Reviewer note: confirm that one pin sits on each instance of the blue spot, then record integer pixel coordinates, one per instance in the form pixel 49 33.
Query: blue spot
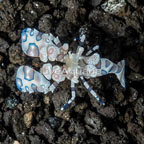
pixel 35 49
pixel 27 88
pixel 24 30
pixel 32 32
pixel 19 84
pixel 24 36
pixel 107 63
pixel 39 36
pixel 100 101
pixel 47 40
pixel 78 38
pixel 89 89
pixel 34 87
pixel 30 78
pixel 73 89
pixel 83 80
pixel 110 69
pixel 104 72
pixel 65 106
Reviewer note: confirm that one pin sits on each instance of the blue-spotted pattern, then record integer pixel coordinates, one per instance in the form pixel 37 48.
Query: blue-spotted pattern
pixel 36 44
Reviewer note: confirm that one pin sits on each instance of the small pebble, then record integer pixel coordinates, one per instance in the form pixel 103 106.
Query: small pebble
pixel 16 142
pixel 28 119
pixel 47 99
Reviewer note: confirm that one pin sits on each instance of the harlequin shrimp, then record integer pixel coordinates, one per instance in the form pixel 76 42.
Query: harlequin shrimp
pixel 75 66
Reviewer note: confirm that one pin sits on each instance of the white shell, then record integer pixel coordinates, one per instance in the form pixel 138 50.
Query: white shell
pixel 29 80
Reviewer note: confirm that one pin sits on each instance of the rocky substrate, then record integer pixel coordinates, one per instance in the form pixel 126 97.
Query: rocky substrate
pixel 37 118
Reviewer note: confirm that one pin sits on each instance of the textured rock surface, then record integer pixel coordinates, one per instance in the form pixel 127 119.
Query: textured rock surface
pixel 36 118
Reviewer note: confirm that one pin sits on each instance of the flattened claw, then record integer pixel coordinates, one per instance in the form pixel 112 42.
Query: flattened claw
pixel 29 80
pixel 30 45
pixel 35 43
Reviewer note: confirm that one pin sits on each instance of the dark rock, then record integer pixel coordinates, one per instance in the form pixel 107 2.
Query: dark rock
pixel 108 111
pixel 80 107
pixel 107 23
pixel 27 97
pixel 14 35
pixel 113 138
pixel 36 140
pixel 76 127
pixel 136 131
pixel 45 23
pixel 18 127
pixel 95 3
pixel 133 94
pixel 8 140
pixel 64 28
pixel 119 95
pixel 8 16
pixel 7 117
pixel 64 139
pixel 32 11
pixel 59 14
pixel 135 76
pixel 91 141
pixel 139 107
pixel 45 130
pixel 3 134
pixel 11 102
pixel 93 123
pixel 73 11
pixel 16 54
pixel 1 94
pixel 11 81
pixel 30 105
pixel 0 115
pixel 133 62
pixel 2 76
pixel 3 46
pixel 134 3
pixel 54 122
pixel 129 115
pixel 55 3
